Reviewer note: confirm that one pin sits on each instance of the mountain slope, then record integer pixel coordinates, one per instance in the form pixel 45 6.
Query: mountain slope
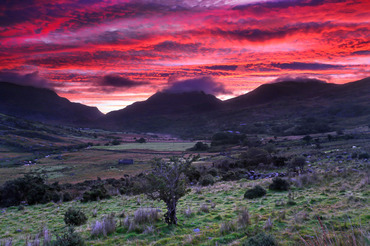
pixel 198 113
pixel 287 90
pixel 161 111
pixel 43 105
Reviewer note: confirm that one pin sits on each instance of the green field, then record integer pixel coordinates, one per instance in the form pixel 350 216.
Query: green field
pixel 342 207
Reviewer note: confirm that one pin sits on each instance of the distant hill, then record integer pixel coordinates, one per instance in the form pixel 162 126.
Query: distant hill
pixel 287 90
pixel 161 110
pixel 43 105
pixel 280 108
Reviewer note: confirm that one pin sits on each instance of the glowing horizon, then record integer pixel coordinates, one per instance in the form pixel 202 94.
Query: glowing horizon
pixel 110 54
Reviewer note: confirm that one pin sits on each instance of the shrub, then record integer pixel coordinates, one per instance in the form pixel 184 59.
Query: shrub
pixel 116 142
pixel 104 227
pixel 199 146
pixel 232 175
pixel 75 216
pixel 141 140
pixel 192 174
pixel 67 197
pixel 279 184
pixel 206 180
pixel 96 192
pixel 212 171
pixel 297 162
pixel 261 239
pixel 279 161
pixel 255 156
pixel 30 188
pixel 224 138
pixel 255 192
pixel 69 238
pixel 363 155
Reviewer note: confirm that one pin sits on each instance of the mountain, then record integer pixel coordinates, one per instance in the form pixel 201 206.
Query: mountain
pixel 287 90
pixel 280 108
pixel 160 111
pixel 40 104
pixel 302 90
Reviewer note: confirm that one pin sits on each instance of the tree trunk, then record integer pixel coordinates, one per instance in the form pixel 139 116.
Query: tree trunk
pixel 170 216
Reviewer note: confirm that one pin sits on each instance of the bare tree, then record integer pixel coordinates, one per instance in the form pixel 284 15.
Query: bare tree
pixel 167 182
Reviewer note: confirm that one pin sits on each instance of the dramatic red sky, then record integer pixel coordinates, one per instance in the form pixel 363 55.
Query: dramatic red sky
pixel 111 53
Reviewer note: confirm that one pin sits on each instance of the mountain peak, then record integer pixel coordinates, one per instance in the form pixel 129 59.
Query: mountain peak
pixel 42 104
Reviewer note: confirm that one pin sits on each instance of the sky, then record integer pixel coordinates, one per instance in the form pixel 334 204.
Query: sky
pixel 112 53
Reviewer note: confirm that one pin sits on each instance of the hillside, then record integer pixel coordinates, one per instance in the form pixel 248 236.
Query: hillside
pixel 277 107
pixel 43 105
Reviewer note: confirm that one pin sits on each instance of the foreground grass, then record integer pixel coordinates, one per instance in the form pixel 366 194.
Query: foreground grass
pixel 339 199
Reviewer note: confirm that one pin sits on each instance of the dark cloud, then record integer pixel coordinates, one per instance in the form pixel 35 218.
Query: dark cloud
pixel 223 67
pixel 29 79
pixel 206 84
pixel 169 46
pixel 362 53
pixel 306 66
pixel 259 7
pixel 263 35
pixel 298 78
pixel 116 81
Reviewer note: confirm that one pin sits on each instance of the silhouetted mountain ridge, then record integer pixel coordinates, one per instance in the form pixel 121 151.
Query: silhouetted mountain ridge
pixel 197 111
pixel 40 104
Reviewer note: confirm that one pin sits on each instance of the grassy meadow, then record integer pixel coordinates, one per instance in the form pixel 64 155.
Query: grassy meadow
pixel 342 207
pixel 329 200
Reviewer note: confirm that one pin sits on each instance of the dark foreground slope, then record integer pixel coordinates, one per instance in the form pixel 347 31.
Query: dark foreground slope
pixel 43 105
pixel 280 108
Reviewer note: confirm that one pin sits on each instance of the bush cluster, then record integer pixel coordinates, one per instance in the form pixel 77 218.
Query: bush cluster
pixel 31 189
pixel 255 156
pixel 206 180
pixel 225 138
pixel 96 192
pixel 279 184
pixel 261 239
pixel 199 146
pixel 69 238
pixel 74 217
pixel 255 192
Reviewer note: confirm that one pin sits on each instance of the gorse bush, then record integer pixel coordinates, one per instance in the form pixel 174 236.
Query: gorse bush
pixel 261 239
pixel 69 238
pixel 297 163
pixel 199 146
pixel 96 192
pixel 279 184
pixel 75 216
pixel 31 188
pixel 255 192
pixel 206 180
pixel 255 156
